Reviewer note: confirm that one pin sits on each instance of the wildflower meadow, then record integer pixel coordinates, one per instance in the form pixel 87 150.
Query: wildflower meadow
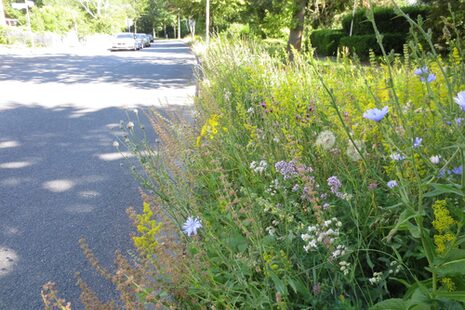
pixel 316 184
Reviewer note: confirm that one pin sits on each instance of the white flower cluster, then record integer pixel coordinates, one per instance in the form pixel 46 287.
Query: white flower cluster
pixel 258 167
pixel 344 267
pixel 377 277
pixel 339 251
pixel 273 188
pixel 395 267
pixel 324 234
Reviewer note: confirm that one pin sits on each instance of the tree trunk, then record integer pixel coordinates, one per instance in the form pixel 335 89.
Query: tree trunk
pixel 294 44
pixel 2 14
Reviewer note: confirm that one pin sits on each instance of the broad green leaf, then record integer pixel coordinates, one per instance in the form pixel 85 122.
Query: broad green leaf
pixel 440 189
pixel 390 304
pixel 419 300
pixel 452 264
pixel 457 295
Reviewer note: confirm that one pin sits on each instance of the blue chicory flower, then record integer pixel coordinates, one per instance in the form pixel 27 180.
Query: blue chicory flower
pixel 392 184
pixel 417 142
pixel 425 75
pixel 457 170
pixel 459 121
pixel 460 100
pixel 376 114
pixel 397 157
pixel 191 226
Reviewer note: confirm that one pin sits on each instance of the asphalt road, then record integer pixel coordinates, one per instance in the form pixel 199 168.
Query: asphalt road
pixel 60 176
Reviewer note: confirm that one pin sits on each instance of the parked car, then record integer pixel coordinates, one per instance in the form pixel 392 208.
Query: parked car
pixel 125 41
pixel 150 38
pixel 144 39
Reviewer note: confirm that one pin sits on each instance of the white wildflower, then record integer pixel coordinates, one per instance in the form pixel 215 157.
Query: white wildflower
pixel 130 125
pixel 115 144
pixel 326 140
pixel 191 226
pixel 436 159
pixel 377 277
pixel 344 267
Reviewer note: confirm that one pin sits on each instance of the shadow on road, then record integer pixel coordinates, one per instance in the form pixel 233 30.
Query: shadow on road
pixel 61 180
pixel 163 65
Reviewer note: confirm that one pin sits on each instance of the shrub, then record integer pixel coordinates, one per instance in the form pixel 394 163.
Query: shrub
pixel 362 44
pixel 326 41
pixel 386 19
pixel 3 36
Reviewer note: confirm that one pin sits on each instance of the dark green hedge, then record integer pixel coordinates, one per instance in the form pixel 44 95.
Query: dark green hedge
pixel 326 41
pixel 386 19
pixel 361 44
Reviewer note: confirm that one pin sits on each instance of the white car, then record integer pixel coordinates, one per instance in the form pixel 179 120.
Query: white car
pixel 125 41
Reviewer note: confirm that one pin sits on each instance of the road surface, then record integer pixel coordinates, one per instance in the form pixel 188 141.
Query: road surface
pixel 60 176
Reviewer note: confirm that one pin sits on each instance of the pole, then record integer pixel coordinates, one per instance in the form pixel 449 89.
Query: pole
pixel 207 23
pixel 353 16
pixel 28 16
pixel 179 26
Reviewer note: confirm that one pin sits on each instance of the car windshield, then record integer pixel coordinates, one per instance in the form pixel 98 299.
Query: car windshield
pixel 141 36
pixel 125 36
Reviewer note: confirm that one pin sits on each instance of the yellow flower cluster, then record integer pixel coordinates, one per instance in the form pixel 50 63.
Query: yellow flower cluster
pixel 448 283
pixel 210 128
pixel 148 229
pixel 442 223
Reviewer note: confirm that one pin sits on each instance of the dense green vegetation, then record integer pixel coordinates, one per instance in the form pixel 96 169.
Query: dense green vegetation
pixel 312 184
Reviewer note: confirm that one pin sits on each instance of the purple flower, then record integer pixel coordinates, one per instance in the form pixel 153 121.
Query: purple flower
pixel 392 184
pixel 334 184
pixel 417 142
pixel 376 114
pixel 425 75
pixel 287 169
pixel 460 100
pixel 459 121
pixel 191 225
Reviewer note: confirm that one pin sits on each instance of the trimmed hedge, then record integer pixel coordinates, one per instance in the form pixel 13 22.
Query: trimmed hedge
pixel 326 41
pixel 361 44
pixel 386 19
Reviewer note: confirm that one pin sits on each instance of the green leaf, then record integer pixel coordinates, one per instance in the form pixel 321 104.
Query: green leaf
pixel 390 304
pixel 452 264
pixel 440 189
pixel 457 295
pixel 419 300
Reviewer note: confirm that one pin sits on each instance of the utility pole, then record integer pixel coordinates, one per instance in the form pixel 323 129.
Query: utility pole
pixel 28 16
pixel 207 23
pixel 26 5
pixel 179 26
pixel 2 14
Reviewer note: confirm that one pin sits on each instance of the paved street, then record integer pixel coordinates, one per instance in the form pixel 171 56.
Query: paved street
pixel 60 176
